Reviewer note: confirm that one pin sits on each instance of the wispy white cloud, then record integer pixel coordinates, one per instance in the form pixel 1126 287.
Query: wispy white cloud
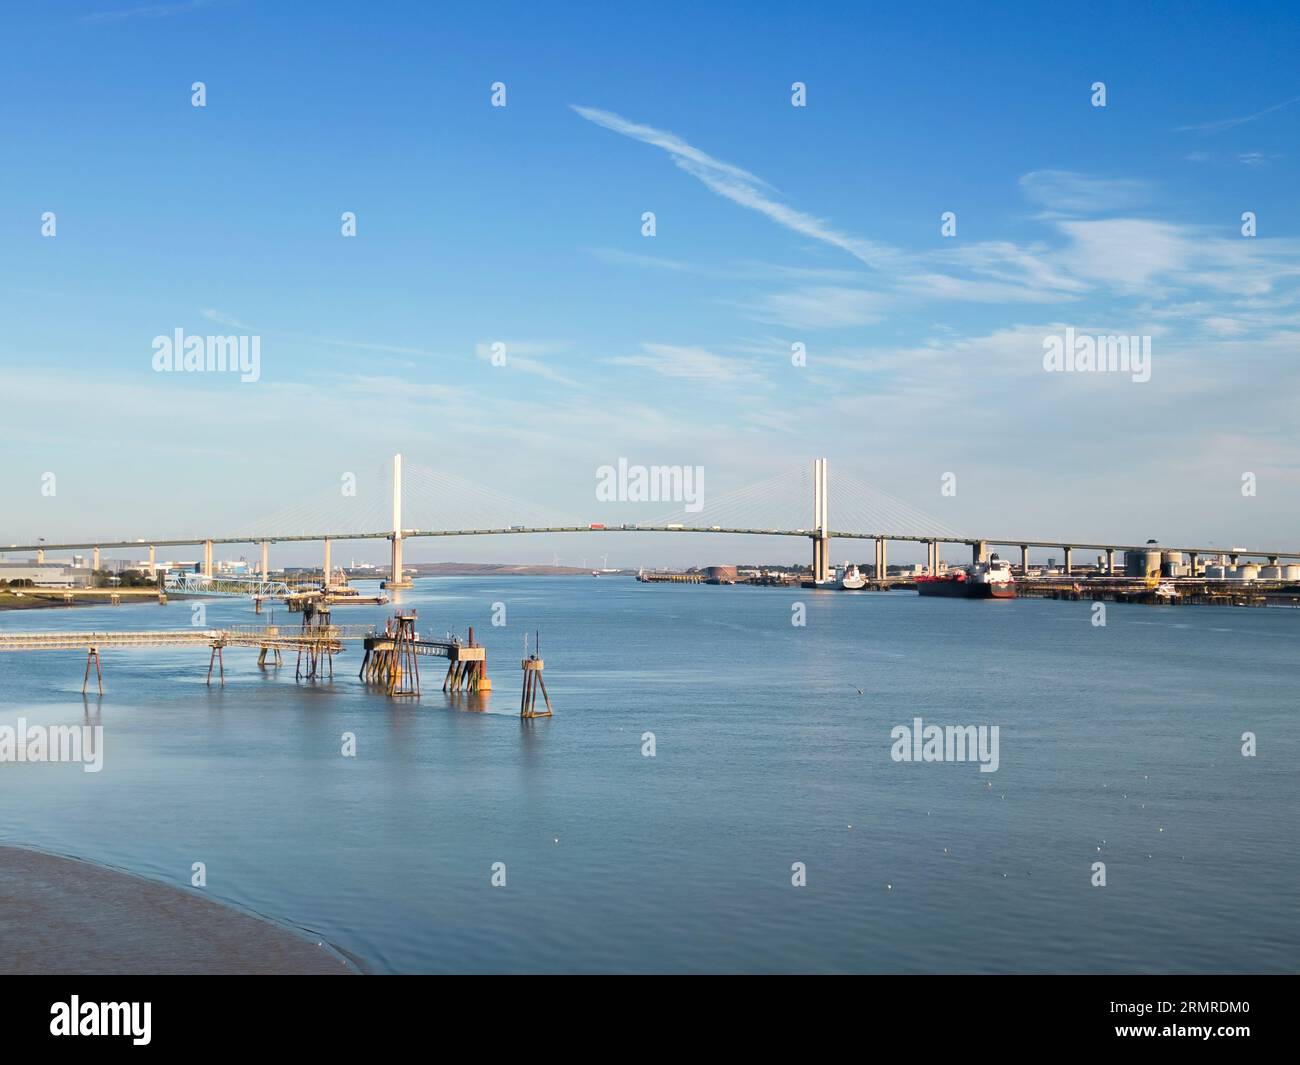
pixel 739 186
pixel 1089 255
pixel 1228 123
pixel 687 363
pixel 1074 193
pixel 528 356
pixel 822 306
pixel 224 319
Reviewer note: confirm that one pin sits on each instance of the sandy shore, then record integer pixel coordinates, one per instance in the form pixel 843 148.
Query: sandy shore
pixel 63 916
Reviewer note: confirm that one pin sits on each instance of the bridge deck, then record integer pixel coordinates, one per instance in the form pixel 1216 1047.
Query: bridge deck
pixel 833 534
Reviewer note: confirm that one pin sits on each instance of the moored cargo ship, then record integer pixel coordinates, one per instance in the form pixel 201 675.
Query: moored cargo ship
pixel 984 580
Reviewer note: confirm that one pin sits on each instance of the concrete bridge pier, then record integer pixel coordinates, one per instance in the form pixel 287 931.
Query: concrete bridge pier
pixel 326 564
pixel 395 577
pixel 932 557
pixel 1192 561
pixel 1024 559
pixel 266 559
pixel 153 564
pixel 1110 562
pixel 979 551
pixel 40 555
pixel 94 560
pixel 1069 565
pixel 882 559
pixel 821 565
pixel 207 558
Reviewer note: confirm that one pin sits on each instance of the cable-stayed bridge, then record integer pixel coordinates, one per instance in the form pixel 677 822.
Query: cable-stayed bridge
pixel 421 501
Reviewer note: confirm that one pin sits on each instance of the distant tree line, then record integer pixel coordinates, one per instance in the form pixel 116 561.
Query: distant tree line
pixel 128 578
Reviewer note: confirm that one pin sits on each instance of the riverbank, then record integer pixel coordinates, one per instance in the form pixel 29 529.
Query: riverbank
pixel 41 598
pixel 63 916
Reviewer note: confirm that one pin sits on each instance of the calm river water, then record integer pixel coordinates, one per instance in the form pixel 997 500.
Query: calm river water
pixel 1126 737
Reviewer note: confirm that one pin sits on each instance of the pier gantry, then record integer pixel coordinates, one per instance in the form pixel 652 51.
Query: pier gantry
pixel 395 577
pixel 821 565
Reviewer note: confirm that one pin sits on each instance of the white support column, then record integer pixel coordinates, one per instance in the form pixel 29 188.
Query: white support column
pixel 825 523
pixel 821 543
pixel 395 577
pixel 327 564
pixel 266 559
pixel 207 558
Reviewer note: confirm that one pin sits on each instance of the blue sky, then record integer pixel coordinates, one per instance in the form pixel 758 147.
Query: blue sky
pixel 775 225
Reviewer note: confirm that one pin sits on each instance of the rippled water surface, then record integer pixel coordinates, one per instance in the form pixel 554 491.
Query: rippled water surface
pixel 1125 737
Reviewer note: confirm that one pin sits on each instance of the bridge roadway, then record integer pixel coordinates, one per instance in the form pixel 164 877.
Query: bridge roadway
pixel 629 528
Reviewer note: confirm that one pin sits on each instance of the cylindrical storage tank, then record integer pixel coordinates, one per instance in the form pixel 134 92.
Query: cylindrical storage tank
pixel 1291 573
pixel 1247 572
pixel 1270 573
pixel 1215 573
pixel 1176 558
pixel 1141 563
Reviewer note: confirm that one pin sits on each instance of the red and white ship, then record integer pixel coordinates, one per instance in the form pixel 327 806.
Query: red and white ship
pixel 984 580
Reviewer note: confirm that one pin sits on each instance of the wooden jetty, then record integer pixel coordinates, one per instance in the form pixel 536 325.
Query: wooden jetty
pixel 391 660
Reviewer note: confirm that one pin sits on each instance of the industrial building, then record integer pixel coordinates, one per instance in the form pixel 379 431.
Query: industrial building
pixel 46 574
